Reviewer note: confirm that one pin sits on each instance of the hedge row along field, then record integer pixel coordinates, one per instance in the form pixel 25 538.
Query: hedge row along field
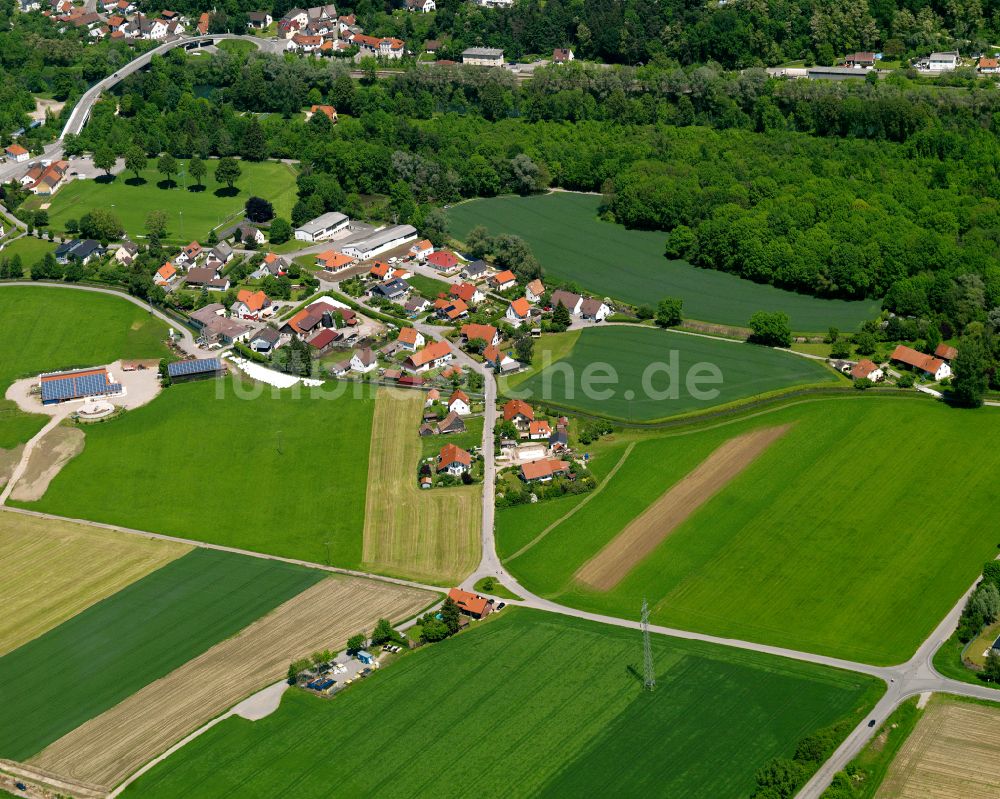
pixel 842 505
pixel 573 244
pixel 94 660
pixel 527 704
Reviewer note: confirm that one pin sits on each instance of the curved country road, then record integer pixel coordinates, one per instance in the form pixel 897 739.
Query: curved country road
pixel 915 676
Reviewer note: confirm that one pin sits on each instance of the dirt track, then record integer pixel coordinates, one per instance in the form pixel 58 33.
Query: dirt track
pixel 106 749
pixel 51 453
pixel 626 550
pixel 9 458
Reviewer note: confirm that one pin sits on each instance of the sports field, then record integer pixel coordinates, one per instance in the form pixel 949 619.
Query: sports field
pixel 573 244
pixel 45 329
pixel 834 508
pixel 626 372
pixel 56 569
pixel 190 214
pixel 527 704
pixel 427 535
pixel 954 753
pixel 108 748
pixel 97 658
pixel 279 472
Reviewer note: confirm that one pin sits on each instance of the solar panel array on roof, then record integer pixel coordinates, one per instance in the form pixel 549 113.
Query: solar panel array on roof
pixel 195 366
pixel 77 386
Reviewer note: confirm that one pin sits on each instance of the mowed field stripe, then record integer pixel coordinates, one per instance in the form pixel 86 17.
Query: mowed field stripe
pixel 647 531
pixel 954 753
pixel 582 503
pixel 426 535
pixel 106 749
pixel 56 569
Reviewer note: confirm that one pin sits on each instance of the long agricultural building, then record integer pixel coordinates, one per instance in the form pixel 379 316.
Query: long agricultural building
pixel 195 369
pixel 81 384
pixel 388 238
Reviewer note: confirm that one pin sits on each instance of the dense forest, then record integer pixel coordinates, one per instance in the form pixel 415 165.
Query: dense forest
pixel 737 34
pixel 806 207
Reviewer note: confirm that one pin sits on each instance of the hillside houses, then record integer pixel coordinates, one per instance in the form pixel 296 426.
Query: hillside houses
pixel 588 308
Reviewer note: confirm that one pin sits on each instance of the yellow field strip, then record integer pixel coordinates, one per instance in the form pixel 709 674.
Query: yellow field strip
pixel 55 569
pixel 106 749
pixel 430 535
pixel 954 753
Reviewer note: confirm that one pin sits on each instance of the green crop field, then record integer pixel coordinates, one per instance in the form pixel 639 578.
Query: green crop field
pixel 573 244
pixel 745 370
pixel 869 500
pixel 526 705
pixel 276 473
pixel 107 652
pixel 45 329
pixel 190 214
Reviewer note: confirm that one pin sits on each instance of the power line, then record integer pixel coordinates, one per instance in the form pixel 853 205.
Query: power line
pixel 649 675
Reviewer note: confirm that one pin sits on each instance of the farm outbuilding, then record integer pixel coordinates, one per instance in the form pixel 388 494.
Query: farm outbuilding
pixel 195 369
pixel 77 385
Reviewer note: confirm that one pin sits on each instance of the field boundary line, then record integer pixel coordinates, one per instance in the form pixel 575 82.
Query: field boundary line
pixel 575 508
pixel 436 589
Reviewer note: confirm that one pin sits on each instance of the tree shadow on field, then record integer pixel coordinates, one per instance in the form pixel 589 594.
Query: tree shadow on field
pixel 225 191
pixel 105 179
pixel 134 181
pixel 196 189
pixel 166 184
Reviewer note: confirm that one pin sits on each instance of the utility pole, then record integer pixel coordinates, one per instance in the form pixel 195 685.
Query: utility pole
pixel 649 675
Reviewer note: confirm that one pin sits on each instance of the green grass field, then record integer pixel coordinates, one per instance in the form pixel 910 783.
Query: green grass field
pixel 428 287
pixel 190 214
pixel 746 370
pixel 843 506
pixel 526 705
pixel 45 329
pixel 472 437
pixel 107 652
pixel 573 244
pixel 277 473
pixel 30 249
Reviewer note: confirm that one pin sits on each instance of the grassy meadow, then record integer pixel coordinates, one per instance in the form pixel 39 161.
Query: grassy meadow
pixel 527 704
pixel 99 657
pixel 573 244
pixel 278 473
pixel 746 370
pixel 191 212
pixel 45 329
pixel 30 249
pixel 866 499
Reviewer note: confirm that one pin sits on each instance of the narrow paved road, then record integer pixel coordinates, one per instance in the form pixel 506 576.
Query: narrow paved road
pixel 915 676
